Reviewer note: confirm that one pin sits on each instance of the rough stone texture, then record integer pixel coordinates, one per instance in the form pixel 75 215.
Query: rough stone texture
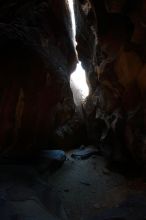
pixel 36 59
pixel 116 108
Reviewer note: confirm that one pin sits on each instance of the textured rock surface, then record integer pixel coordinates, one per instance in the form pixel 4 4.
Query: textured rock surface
pixel 116 109
pixel 36 59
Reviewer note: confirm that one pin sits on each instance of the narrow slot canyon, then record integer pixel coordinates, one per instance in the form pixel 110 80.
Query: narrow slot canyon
pixel 72 110
pixel 78 81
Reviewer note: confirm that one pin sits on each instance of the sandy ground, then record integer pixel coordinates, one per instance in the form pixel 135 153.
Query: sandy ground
pixel 86 186
pixel 76 191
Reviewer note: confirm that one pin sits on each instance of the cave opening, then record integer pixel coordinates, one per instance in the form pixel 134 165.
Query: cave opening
pixel 78 81
pixel 72 109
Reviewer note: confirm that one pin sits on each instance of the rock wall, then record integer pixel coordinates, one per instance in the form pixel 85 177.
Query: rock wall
pixel 36 59
pixel 118 112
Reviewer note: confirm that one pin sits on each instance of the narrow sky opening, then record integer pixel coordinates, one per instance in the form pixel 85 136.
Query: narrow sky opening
pixel 78 80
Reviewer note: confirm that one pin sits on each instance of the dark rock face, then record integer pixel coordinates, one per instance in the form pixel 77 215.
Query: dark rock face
pixel 120 89
pixel 87 38
pixel 36 59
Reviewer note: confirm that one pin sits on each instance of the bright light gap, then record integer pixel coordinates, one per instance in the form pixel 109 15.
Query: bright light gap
pixel 78 80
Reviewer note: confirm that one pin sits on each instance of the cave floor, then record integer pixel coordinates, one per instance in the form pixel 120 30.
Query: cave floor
pixel 78 190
